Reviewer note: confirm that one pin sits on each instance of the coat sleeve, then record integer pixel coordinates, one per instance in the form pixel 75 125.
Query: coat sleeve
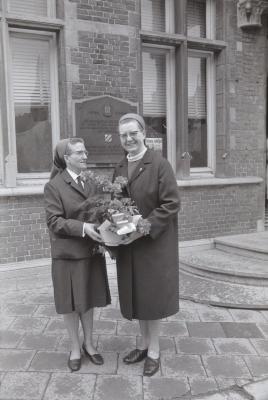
pixel 55 215
pixel 168 198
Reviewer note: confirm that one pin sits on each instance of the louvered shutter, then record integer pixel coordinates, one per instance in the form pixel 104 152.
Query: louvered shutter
pixel 197 88
pixel 30 71
pixel 196 18
pixel 29 7
pixel 153 15
pixel 154 84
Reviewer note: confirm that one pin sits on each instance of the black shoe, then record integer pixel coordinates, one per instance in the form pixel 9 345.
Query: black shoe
pixel 135 356
pixel 96 359
pixel 75 364
pixel 151 366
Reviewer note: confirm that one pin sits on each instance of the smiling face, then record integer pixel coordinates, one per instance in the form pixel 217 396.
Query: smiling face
pixel 132 137
pixel 76 159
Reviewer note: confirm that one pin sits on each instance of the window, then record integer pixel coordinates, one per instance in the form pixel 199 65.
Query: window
pixel 41 8
pixel 166 90
pixel 34 98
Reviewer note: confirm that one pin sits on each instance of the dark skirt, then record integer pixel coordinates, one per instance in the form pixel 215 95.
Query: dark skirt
pixel 80 284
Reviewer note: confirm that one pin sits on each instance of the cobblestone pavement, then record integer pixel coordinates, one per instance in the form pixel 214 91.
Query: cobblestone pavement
pixel 204 349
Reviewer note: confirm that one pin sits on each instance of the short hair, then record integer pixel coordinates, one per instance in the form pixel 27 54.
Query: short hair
pixel 72 141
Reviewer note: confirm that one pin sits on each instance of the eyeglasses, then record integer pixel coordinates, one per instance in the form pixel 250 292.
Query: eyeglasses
pixel 130 134
pixel 80 153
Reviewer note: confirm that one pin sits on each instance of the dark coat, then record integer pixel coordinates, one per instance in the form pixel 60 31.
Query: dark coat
pixel 79 278
pixel 148 267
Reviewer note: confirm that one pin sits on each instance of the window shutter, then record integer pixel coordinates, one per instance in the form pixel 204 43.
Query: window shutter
pixel 30 71
pixel 197 88
pixel 28 7
pixel 196 18
pixel 154 84
pixel 153 15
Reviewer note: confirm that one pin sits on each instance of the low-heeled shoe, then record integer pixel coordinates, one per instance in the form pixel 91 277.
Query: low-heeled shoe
pixel 151 366
pixel 96 359
pixel 135 356
pixel 75 364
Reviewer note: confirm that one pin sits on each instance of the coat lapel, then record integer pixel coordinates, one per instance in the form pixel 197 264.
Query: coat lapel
pixel 141 167
pixel 68 179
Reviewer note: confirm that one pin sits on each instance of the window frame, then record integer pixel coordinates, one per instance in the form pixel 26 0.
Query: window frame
pixel 211 112
pixel 51 10
pixel 170 97
pixel 26 178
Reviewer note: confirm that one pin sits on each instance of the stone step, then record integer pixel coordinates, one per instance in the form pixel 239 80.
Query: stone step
pixel 224 266
pixel 219 293
pixel 254 245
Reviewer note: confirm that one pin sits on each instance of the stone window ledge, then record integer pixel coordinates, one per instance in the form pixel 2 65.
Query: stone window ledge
pixel 194 182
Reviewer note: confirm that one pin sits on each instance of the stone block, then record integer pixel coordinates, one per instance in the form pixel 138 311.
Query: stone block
pixel 258 366
pixel 15 360
pixel 118 388
pixel 202 385
pixel 164 388
pixel 109 366
pixel 185 315
pixel 49 361
pixel 23 386
pixel 182 366
pixel 9 338
pixel 70 387
pixel 205 329
pixel 39 341
pixel 233 346
pixel 261 346
pixel 194 346
pixel 111 314
pixel 128 328
pixel 173 328
pixel 46 311
pixel 116 344
pixel 241 330
pixel 247 316
pixel 104 327
pixel 19 309
pixel 226 366
pixel 214 315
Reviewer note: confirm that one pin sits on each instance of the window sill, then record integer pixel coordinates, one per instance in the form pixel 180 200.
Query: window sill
pixel 30 190
pixel 36 22
pixel 194 182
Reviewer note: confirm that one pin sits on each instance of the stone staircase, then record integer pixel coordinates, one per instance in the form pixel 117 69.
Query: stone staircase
pixel 231 272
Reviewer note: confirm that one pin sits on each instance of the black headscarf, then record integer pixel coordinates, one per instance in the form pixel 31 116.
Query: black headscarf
pixel 59 161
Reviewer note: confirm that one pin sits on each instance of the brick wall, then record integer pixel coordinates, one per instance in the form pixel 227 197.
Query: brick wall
pixel 23 231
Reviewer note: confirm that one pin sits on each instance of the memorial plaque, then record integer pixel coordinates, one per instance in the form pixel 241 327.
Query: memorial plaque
pixel 96 121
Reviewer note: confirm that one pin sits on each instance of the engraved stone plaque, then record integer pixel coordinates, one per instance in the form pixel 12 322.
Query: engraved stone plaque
pixel 96 121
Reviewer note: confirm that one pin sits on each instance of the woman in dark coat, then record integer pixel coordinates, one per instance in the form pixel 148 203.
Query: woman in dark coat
pixel 148 267
pixel 79 277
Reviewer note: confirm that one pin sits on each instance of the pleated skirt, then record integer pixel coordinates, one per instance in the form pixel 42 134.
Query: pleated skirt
pixel 80 284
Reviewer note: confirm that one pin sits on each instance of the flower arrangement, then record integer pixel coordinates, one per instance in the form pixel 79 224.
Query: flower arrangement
pixel 115 214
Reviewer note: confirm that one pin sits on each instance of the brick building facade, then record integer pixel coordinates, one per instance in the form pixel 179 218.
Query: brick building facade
pixel 196 70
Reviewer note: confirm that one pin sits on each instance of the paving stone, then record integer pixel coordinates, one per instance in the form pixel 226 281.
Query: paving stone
pixel 109 366
pixel 194 346
pixel 224 383
pixel 202 385
pixel 264 329
pixel 47 310
pixel 241 330
pixel 7 285
pixel 70 387
pixel 38 342
pixel 226 366
pixel 64 344
pixel 111 314
pixel 164 388
pixel 116 343
pixel 6 321
pixel 173 328
pixel 131 370
pixel 185 315
pixel 9 338
pixel 261 346
pixel 258 366
pixel 118 388
pixel 15 360
pixel 247 315
pixel 182 366
pixel 226 395
pixel 23 386
pixel 29 324
pixel 259 390
pixel 49 361
pixel 233 346
pixel 167 345
pixel 205 329
pixel 104 327
pixel 19 309
pixel 265 314
pixel 41 298
pixel 56 326
pixel 214 315
pixel 128 328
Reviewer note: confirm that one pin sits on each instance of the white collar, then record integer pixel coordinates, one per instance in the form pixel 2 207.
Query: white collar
pixel 137 156
pixel 73 174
